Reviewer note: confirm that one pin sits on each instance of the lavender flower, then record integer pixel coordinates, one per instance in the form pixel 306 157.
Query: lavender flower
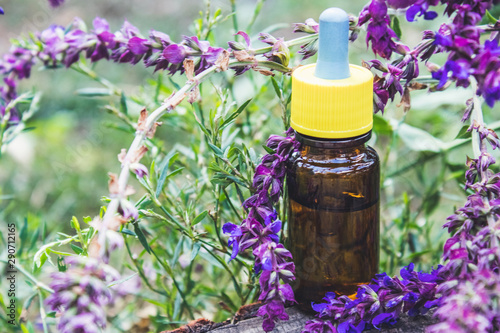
pixel 56 3
pixel 310 26
pixel 57 45
pixel 81 294
pixel 472 306
pixel 467 56
pixel 421 8
pixel 381 302
pixel 379 31
pixel 260 231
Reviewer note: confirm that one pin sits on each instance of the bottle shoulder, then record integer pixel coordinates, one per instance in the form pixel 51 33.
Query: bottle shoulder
pixel 359 157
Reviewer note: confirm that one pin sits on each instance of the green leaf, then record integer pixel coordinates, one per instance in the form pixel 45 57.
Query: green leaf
pixel 177 251
pixel 226 299
pixel 234 115
pixel 220 181
pixel 216 150
pixel 176 171
pixel 142 237
pixel 396 27
pixel 432 202
pixel 195 250
pixel 144 202
pixel 164 172
pixel 419 140
pixel 177 305
pixel 61 264
pixel 225 179
pixel 76 248
pixel 39 259
pixel 381 125
pixel 94 92
pixel 123 103
pixel 114 283
pixel 23 234
pixel 463 133
pixel 276 87
pixel 491 19
pixel 268 150
pixel 75 224
pixel 51 314
pixel 205 130
pixel 199 218
pixel 128 232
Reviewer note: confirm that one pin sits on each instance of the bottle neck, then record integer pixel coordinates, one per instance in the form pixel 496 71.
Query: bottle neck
pixel 321 143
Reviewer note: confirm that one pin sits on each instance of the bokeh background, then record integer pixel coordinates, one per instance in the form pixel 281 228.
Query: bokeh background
pixel 59 168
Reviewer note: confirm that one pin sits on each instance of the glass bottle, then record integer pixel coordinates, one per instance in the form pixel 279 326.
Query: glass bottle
pixel 333 222
pixel 333 189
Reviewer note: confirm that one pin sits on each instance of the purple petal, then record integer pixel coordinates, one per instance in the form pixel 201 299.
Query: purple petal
pixel 233 229
pixel 100 25
pixel 245 36
pixel 175 53
pixel 412 12
pixel 137 45
pixel 56 3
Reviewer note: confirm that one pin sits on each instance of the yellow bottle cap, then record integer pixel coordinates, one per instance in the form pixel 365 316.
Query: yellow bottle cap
pixel 332 99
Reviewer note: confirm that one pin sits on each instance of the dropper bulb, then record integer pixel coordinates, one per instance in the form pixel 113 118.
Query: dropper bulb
pixel 333 57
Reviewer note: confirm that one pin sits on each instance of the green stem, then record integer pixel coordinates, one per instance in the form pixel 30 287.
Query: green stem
pixel 228 269
pixel 217 214
pixel 478 148
pixel 37 283
pixel 43 315
pixel 141 272
pixel 169 271
pixel 235 18
pixel 231 205
pixel 256 12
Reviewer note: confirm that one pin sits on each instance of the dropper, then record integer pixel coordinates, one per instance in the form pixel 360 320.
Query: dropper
pixel 333 54
pixel 332 99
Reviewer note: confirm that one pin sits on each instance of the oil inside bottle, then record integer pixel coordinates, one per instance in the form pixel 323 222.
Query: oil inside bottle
pixel 334 216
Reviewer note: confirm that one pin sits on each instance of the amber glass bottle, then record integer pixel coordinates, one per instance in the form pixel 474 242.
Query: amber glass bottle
pixel 333 188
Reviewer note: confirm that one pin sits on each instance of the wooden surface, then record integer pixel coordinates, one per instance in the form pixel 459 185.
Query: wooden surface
pixel 246 322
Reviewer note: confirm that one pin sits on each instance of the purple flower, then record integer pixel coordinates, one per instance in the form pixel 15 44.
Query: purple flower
pixel 379 31
pixel 56 3
pixel 382 301
pixel 319 326
pixel 420 10
pixel 128 210
pixel 310 26
pixel 53 38
pixel 138 46
pixel 238 46
pixel 235 234
pixel 175 53
pixel 139 169
pixel 81 294
pixel 1 11
pixel 105 40
pixel 260 232
pixel 271 312
pixel 400 3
